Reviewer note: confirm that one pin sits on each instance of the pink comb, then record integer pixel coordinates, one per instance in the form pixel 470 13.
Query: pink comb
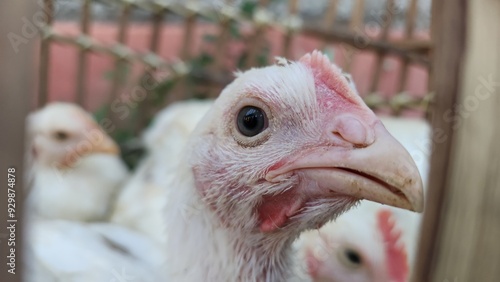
pixel 329 74
pixel 397 259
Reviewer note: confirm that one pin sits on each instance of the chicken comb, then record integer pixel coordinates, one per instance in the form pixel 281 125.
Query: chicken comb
pixel 329 74
pixel 396 256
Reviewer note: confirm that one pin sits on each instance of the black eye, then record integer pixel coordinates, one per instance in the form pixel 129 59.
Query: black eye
pixel 353 257
pixel 251 121
pixel 61 135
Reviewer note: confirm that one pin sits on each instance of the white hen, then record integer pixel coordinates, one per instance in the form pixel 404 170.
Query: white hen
pixel 140 204
pixel 75 174
pixel 283 149
pixel 75 169
pixel 372 242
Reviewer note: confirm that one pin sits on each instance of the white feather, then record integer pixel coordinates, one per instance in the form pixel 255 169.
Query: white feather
pixel 62 250
pixel 140 204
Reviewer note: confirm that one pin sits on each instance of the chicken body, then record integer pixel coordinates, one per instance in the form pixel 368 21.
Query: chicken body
pixel 75 172
pixel 61 250
pixel 82 193
pixel 140 204
pixel 74 166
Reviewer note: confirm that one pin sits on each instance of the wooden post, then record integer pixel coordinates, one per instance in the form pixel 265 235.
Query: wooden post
pixel 43 83
pixel 119 72
pixel 460 238
pixel 17 88
pixel 81 77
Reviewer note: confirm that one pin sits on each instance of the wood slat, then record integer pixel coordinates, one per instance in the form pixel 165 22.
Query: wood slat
pixel 415 50
pixel 449 23
pixel 411 16
pixel 386 25
pixel 43 73
pixel 146 108
pixel 189 25
pixel 81 73
pixel 356 27
pixel 222 40
pixel 120 63
pixel 17 85
pixel 328 20
pixel 156 27
pixel 330 14
pixel 255 42
pixel 293 6
pixel 460 236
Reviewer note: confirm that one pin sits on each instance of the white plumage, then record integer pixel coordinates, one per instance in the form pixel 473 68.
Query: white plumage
pixel 283 149
pixel 140 204
pixel 233 210
pixel 75 170
pixel 60 250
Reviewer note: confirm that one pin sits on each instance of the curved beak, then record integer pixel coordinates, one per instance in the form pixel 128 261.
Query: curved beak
pixel 95 140
pixel 106 146
pixel 382 172
pixel 100 140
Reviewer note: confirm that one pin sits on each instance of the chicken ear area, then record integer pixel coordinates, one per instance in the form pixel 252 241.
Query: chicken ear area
pixel 275 210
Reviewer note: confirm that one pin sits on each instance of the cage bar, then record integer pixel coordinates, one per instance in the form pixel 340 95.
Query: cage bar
pixel 45 55
pixel 82 55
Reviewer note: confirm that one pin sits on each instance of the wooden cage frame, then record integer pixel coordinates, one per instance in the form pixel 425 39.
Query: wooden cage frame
pixel 409 49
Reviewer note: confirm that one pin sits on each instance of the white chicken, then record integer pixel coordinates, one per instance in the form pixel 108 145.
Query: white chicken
pixel 283 149
pixel 140 204
pixel 62 250
pixel 75 173
pixel 74 169
pixel 371 242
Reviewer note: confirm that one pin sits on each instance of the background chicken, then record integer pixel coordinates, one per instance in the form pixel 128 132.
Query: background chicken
pixel 76 172
pixel 62 250
pixel 140 204
pixel 278 153
pixel 74 168
pixel 371 242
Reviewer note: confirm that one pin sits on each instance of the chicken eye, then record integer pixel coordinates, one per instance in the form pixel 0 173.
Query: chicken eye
pixel 251 121
pixel 61 135
pixel 351 258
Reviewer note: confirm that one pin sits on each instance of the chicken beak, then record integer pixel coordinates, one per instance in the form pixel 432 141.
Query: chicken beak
pixel 95 141
pixel 106 146
pixel 101 142
pixel 382 172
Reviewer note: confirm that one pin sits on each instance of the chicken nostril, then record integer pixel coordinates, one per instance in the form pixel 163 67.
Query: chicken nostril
pixel 352 130
pixel 337 134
